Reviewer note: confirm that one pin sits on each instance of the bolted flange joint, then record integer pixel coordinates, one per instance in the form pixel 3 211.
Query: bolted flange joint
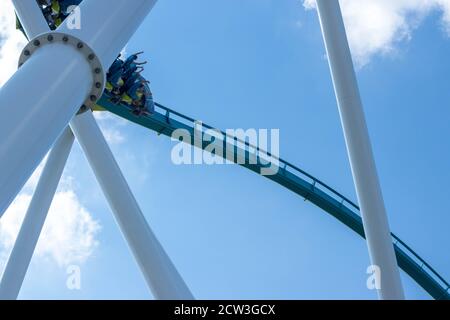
pixel 98 73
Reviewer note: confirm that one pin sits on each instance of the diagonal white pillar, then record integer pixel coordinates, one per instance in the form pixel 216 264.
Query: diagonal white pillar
pixel 31 18
pixel 159 272
pixel 161 275
pixel 359 148
pixel 33 223
pixel 55 81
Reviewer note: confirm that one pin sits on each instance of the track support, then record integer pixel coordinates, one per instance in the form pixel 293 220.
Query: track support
pixel 55 82
pixel 359 149
pixel 161 275
pixel 31 228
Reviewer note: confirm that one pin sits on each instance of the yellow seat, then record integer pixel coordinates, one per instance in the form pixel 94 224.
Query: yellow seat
pixel 56 8
pixel 127 99
pixel 109 86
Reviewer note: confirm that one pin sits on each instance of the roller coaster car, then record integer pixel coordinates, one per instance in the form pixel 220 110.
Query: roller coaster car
pixel 146 106
pixel 126 86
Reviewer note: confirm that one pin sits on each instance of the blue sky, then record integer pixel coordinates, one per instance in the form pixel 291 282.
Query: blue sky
pixel 233 234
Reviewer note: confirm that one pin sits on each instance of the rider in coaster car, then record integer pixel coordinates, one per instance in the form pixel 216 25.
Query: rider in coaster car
pixel 114 82
pixel 131 80
pixel 114 76
pixel 124 95
pixel 122 74
pixel 131 73
pixel 117 65
pixel 131 69
pixel 57 13
pixel 144 103
pixel 132 59
pixel 137 90
pixel 126 85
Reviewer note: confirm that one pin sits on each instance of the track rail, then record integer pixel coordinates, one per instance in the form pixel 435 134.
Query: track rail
pixel 165 121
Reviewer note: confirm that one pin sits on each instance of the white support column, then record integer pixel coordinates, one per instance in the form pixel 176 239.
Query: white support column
pixel 359 148
pixel 161 275
pixel 33 223
pixel 40 99
pixel 31 18
pixel 159 272
pixel 35 109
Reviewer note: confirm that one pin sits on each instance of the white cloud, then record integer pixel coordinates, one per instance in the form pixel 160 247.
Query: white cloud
pixel 377 27
pixel 113 136
pixel 69 233
pixel 68 236
pixel 11 41
pixel 112 127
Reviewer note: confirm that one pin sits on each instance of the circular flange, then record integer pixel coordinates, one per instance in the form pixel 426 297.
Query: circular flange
pixel 98 74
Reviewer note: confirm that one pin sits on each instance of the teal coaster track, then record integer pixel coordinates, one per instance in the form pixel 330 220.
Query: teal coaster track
pixel 165 121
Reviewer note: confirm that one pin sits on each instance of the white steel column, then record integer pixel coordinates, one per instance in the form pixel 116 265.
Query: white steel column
pixel 31 18
pixel 359 148
pixel 107 26
pixel 161 275
pixel 40 99
pixel 36 104
pixel 33 223
pixel 159 272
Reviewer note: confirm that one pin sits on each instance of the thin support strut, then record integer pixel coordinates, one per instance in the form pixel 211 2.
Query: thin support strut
pixel 19 260
pixel 161 275
pixel 368 189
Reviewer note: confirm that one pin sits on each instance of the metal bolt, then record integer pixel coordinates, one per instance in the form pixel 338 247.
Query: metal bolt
pixel 65 39
pixel 37 43
pixel 50 38
pixel 93 98
pixel 98 85
pixel 80 45
pixel 91 56
pixel 97 70
pixel 27 53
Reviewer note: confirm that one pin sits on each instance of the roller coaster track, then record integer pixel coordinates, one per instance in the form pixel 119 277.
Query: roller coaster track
pixel 165 121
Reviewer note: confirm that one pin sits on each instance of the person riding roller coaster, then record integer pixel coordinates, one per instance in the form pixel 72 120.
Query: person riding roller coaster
pixel 125 85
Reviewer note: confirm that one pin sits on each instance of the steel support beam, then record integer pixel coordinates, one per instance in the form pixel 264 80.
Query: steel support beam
pixel 20 257
pixel 359 149
pixel 52 85
pixel 159 272
pixel 30 16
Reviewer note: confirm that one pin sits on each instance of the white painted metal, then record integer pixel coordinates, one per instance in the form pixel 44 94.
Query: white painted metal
pixel 159 272
pixel 359 148
pixel 33 223
pixel 161 275
pixel 37 103
pixel 106 26
pixel 30 17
